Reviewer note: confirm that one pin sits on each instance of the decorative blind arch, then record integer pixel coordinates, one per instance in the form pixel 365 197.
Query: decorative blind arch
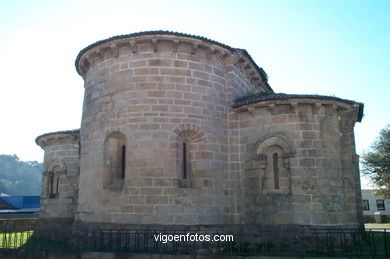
pixel 56 163
pixel 274 139
pixel 114 160
pixel 273 153
pixel 189 132
pixel 53 171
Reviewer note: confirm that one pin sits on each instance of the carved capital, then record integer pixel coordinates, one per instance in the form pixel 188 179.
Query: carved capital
pixel 261 159
pixel 286 163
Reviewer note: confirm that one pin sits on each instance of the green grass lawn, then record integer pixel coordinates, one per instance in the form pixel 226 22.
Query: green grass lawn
pixel 14 239
pixel 385 225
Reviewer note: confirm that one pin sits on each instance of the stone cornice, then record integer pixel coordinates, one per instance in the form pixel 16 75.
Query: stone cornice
pixel 110 48
pixel 330 103
pixel 54 137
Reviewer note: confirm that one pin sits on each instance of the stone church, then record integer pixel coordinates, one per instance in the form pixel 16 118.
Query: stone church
pixel 183 131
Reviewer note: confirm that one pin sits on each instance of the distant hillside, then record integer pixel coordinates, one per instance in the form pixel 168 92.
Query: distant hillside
pixel 20 177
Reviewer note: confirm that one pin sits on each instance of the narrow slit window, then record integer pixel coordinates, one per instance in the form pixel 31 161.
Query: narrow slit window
pixel 276 170
pixel 123 162
pixel 184 160
pixel 51 183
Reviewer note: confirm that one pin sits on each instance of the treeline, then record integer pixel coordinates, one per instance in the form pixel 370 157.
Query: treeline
pixel 19 177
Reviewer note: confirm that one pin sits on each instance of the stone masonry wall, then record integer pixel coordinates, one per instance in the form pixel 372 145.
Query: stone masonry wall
pixel 318 175
pixel 155 97
pixel 161 144
pixel 61 173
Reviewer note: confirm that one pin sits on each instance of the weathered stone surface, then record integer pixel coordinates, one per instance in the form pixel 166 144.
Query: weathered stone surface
pixel 153 106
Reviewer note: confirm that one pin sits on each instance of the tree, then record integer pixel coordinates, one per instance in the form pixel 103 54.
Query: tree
pixel 376 163
pixel 19 177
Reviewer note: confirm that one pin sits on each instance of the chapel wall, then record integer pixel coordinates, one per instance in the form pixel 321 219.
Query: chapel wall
pixel 60 177
pixel 315 188
pixel 181 131
pixel 156 96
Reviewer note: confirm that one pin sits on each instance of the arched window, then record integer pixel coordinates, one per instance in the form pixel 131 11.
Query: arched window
pixel 187 137
pixel 184 153
pixel 275 175
pixel 273 154
pixel 184 165
pixel 114 161
pixel 53 182
pixel 275 170
pixel 53 172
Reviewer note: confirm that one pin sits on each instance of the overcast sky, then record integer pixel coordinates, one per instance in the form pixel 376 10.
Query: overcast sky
pixel 338 48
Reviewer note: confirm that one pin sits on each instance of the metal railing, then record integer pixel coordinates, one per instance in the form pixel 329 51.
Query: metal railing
pixel 316 242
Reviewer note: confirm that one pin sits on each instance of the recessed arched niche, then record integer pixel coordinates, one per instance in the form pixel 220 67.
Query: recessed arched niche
pixel 114 161
pixel 272 154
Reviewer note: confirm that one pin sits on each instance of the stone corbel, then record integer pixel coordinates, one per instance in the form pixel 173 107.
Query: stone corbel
pixel 98 55
pixel 43 143
pixel 223 54
pixel 316 107
pixel 272 108
pixel 240 58
pixel 194 47
pixel 155 45
pixel 249 73
pixel 294 107
pixel 252 80
pixel 84 66
pixel 175 45
pixel 241 65
pixel 133 46
pixel 332 108
pixel 252 111
pixel 233 59
pixel 114 50
pixel 211 52
pixel 256 80
pixel 347 120
pixel 88 60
